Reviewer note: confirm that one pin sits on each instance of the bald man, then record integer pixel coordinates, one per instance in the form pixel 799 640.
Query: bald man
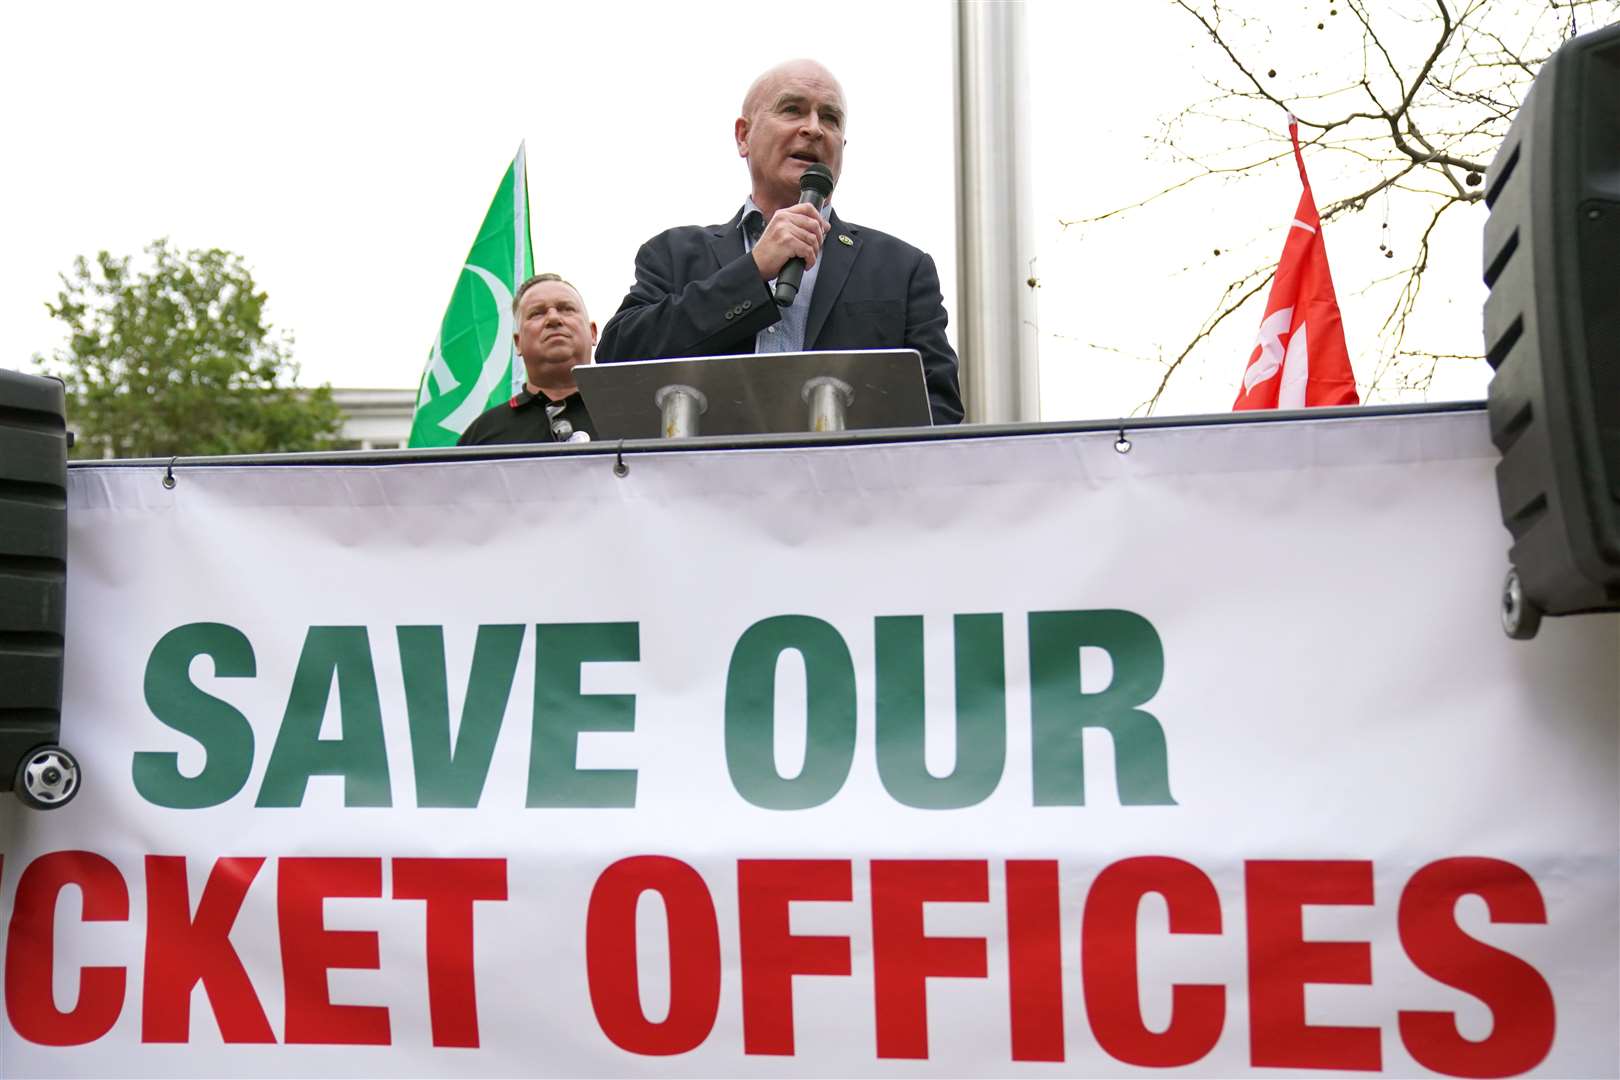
pixel 554 335
pixel 708 290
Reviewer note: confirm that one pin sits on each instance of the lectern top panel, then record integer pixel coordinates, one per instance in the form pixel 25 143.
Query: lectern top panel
pixel 756 393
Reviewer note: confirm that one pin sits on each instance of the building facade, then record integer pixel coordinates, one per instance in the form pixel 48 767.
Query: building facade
pixel 374 419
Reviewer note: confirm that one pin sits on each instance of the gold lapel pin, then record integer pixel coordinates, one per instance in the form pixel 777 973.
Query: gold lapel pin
pixel 844 239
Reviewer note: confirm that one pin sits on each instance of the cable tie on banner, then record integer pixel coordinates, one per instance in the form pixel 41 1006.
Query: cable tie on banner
pixel 1122 444
pixel 168 473
pixel 620 469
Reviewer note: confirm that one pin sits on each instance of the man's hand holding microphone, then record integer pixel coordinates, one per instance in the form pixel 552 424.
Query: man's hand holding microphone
pixel 792 238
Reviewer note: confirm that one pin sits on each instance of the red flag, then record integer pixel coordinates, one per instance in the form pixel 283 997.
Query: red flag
pixel 1300 358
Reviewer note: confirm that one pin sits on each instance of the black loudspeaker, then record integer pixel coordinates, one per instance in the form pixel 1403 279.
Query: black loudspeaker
pixel 33 590
pixel 1552 334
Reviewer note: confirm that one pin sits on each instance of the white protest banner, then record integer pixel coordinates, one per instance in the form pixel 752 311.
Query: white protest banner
pixel 1013 756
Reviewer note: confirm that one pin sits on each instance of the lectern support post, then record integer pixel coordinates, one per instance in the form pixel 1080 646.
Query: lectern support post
pixel 828 399
pixel 681 406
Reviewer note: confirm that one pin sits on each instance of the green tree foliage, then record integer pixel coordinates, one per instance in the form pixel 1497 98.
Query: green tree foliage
pixel 173 356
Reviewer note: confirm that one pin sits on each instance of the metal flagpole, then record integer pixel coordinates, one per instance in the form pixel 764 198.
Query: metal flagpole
pixel 995 299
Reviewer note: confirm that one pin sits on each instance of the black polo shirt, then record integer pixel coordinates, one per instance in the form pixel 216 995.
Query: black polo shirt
pixel 526 419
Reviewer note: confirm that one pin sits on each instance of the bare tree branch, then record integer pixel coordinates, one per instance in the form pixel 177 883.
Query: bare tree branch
pixel 1409 121
pixel 1236 295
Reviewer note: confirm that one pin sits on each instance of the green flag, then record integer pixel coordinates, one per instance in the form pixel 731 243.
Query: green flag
pixel 473 365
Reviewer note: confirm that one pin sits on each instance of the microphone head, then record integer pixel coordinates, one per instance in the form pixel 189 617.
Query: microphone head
pixel 817 178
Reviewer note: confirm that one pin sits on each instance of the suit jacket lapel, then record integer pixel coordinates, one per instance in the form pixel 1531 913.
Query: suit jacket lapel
pixel 726 241
pixel 837 258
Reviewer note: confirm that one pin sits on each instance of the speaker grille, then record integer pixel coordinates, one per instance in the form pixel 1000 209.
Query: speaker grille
pixel 33 564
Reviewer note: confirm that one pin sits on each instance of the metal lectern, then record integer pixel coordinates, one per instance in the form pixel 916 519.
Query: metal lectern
pixel 756 393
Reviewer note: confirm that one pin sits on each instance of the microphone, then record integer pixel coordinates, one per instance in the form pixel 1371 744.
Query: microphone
pixel 815 187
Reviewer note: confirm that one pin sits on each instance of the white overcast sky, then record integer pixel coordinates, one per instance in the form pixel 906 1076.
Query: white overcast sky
pixel 348 152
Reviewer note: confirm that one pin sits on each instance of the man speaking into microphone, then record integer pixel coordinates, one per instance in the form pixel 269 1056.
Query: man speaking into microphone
pixel 725 289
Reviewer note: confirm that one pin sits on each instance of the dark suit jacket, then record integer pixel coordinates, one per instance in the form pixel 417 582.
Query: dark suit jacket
pixel 697 293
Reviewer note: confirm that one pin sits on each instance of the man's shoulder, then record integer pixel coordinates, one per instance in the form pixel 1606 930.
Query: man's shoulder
pixel 493 421
pixel 690 234
pixel 877 238
pixel 683 237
